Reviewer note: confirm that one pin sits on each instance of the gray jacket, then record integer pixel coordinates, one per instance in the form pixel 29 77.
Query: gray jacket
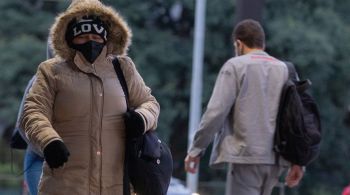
pixel 242 110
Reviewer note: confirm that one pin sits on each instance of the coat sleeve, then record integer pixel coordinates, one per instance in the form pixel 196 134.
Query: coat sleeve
pixel 218 109
pixel 140 95
pixel 20 116
pixel 38 109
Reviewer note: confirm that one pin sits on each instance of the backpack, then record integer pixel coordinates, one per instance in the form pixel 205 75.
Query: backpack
pixel 298 127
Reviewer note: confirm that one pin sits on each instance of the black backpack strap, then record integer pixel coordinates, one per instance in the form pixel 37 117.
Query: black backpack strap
pixel 292 73
pixel 119 72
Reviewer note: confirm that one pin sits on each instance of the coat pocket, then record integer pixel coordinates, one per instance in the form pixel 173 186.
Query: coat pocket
pixel 233 146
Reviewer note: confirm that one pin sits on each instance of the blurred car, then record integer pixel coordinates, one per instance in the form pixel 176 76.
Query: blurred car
pixel 177 188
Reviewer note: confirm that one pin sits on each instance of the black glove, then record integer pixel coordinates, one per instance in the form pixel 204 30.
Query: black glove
pixel 134 124
pixel 56 154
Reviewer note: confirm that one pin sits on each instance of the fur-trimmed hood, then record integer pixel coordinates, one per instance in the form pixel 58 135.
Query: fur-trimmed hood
pixel 119 34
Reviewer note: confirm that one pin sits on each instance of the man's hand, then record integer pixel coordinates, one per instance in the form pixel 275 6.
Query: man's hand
pixel 191 163
pixel 294 176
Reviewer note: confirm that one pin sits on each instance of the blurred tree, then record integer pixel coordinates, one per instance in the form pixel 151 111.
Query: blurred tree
pixel 251 9
pixel 23 34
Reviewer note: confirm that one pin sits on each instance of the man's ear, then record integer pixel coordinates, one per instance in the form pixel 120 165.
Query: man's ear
pixel 241 47
pixel 238 43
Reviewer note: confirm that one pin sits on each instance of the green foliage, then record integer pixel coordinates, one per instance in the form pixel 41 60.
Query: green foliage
pixel 18 64
pixel 22 47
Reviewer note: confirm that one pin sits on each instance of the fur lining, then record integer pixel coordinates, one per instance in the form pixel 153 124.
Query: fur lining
pixel 119 34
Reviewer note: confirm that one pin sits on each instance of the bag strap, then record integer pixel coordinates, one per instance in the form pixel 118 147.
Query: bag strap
pixel 293 76
pixel 292 73
pixel 121 77
pixel 119 72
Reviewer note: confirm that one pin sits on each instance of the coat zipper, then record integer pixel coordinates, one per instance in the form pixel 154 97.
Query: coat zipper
pixel 101 116
pixel 90 127
pixel 100 129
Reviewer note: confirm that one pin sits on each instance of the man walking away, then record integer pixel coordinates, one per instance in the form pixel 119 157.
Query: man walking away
pixel 241 114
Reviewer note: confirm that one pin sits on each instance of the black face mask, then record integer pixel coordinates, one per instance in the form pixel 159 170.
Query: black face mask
pixel 91 50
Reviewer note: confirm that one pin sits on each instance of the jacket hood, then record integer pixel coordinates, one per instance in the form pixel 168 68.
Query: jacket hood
pixel 119 34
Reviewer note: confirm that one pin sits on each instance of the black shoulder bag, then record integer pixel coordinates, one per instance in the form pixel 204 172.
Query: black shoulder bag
pixel 148 161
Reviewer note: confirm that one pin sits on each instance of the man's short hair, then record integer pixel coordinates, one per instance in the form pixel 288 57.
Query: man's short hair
pixel 250 32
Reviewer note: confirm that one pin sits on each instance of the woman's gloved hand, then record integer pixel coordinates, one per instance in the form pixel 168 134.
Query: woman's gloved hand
pixel 56 154
pixel 134 124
